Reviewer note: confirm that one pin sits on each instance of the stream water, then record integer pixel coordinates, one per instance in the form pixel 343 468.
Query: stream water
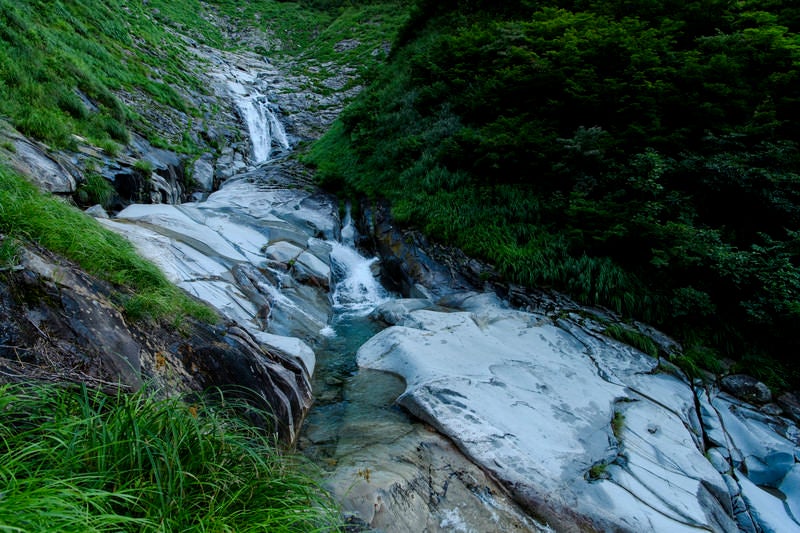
pixel 528 398
pixel 388 471
pixel 354 409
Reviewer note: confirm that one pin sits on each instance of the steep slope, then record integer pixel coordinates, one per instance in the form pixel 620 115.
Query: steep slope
pixel 638 156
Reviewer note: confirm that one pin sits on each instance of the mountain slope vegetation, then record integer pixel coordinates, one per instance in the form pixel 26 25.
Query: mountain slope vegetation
pixel 74 459
pixel 637 155
pixel 73 67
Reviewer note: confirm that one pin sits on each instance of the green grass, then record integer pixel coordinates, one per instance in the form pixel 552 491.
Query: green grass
pixel 57 56
pixel 9 252
pixel 28 214
pixel 96 190
pixel 73 459
pixel 617 423
pixel 63 64
pixel 598 471
pixel 629 336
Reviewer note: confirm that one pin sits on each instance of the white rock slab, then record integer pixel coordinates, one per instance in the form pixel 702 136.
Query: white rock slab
pixel 215 250
pixel 533 404
pixel 769 511
pixel 791 489
pixel 172 221
pixel 283 252
pixel 765 453
pixel 179 261
pixel 297 207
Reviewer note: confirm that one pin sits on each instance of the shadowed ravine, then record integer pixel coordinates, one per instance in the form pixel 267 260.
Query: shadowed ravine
pixel 275 258
pixel 457 412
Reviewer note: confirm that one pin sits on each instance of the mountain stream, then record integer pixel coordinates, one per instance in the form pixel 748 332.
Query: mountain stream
pixel 587 431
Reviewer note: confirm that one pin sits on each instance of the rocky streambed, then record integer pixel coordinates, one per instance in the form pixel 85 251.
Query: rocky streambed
pixel 451 410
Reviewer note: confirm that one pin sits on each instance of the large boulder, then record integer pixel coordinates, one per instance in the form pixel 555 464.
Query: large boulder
pixel 746 388
pixel 60 324
pixel 38 164
pixel 584 431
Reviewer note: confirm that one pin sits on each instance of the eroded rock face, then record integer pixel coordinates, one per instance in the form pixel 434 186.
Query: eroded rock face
pixel 407 263
pixel 257 254
pixel 33 160
pixel 60 324
pixel 61 321
pixel 585 431
pixel 254 252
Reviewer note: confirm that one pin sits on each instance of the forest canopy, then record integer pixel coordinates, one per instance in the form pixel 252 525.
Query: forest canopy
pixel 636 154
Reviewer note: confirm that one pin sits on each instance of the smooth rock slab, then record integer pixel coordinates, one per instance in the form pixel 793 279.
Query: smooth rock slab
pixel 533 404
pixel 32 161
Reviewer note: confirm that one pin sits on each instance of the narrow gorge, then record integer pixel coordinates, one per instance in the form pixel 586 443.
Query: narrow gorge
pixel 464 414
pixel 444 403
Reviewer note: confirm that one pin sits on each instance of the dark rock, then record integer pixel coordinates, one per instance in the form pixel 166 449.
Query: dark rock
pixel 407 258
pixel 771 409
pixel 746 388
pixel 236 363
pixel 65 323
pixel 790 402
pixel 59 324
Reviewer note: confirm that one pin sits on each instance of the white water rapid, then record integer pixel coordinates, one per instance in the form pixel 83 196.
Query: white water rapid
pixel 356 290
pixel 535 400
pixel 266 131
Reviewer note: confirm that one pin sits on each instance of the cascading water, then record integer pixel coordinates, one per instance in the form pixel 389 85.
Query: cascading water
pixel 266 131
pixel 356 291
pixel 219 248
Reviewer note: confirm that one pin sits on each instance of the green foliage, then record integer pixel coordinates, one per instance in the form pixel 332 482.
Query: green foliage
pixel 630 336
pixel 96 190
pixel 26 213
pixel 80 460
pixel 62 64
pixel 696 358
pixel 617 423
pixel 638 155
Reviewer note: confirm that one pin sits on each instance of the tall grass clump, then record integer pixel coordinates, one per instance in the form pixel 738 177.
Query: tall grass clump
pixel 96 190
pixel 27 213
pixel 74 459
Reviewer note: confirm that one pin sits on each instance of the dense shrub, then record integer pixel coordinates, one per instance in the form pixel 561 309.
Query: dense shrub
pixel 639 155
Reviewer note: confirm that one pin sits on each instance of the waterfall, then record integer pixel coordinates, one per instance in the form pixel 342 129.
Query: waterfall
pixel 356 290
pixel 263 125
pixel 348 229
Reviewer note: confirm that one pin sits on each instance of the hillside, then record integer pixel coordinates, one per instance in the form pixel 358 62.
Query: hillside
pixel 129 405
pixel 636 155
pixel 161 359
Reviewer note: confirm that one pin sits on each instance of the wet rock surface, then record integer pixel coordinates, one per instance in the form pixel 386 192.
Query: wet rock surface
pixel 32 159
pixel 527 412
